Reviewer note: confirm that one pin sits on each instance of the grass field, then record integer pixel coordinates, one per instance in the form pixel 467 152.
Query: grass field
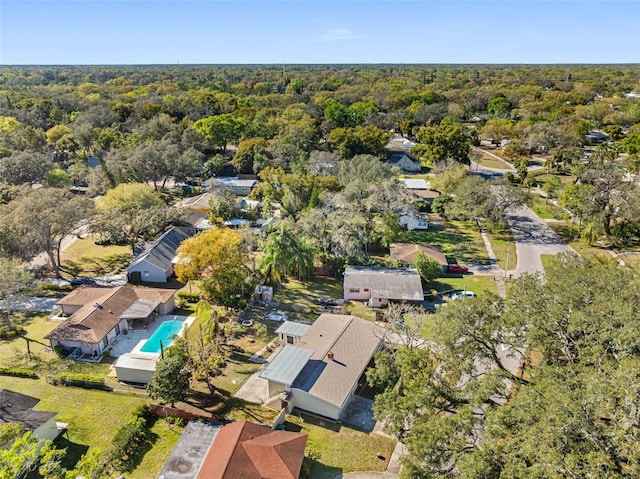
pixel 84 257
pixel 303 295
pixel 338 449
pixel 569 232
pixel 477 284
pixel 491 162
pixel 460 240
pixel 501 240
pixel 546 210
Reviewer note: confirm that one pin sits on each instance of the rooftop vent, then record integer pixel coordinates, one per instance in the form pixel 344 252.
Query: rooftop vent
pixel 330 354
pixel 97 305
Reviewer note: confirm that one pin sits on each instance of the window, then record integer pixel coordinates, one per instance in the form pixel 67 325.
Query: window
pixel 104 342
pixel 145 273
pixel 117 328
pixel 354 290
pixel 290 339
pixel 366 290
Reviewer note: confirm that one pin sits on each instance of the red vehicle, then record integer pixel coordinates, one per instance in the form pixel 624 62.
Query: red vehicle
pixel 457 269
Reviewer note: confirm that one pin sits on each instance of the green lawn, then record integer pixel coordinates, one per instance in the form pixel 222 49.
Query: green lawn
pixel 93 416
pixel 303 295
pixel 338 449
pixel 161 440
pixel 85 257
pixel 569 232
pixel 546 210
pixel 491 162
pixel 460 240
pixel 501 240
pixel 477 284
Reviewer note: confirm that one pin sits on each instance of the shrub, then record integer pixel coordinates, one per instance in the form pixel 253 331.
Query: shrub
pixel 19 373
pixel 189 297
pixel 79 380
pixel 59 349
pixel 6 333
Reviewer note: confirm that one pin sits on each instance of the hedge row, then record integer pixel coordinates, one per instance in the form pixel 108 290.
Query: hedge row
pixel 80 380
pixel 189 297
pixel 19 373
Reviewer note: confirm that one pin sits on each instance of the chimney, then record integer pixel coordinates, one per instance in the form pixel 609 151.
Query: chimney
pixel 330 354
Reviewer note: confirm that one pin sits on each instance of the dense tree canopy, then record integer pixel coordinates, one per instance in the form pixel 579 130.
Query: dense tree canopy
pixel 465 409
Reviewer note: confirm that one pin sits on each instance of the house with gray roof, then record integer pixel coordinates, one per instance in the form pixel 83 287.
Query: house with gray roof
pixel 405 161
pixel 321 373
pixel 378 286
pixel 155 264
pixel 18 408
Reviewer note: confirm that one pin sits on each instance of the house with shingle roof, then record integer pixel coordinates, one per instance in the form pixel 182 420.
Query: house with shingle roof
pixel 378 286
pixel 405 161
pixel 18 408
pixel 236 450
pixel 406 253
pixel 155 264
pixel 97 316
pixel 322 371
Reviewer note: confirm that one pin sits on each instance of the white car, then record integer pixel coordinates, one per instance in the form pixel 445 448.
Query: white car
pixel 463 295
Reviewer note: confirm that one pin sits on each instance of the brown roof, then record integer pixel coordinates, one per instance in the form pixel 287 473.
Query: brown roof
pixel 406 252
pixel 100 310
pixel 243 450
pixel 424 194
pixel 352 342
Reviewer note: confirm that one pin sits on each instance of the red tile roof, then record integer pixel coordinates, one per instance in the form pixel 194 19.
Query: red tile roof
pixel 243 450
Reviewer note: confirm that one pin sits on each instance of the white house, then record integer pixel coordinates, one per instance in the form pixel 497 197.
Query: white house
pixel 403 160
pixel 322 371
pixel 378 286
pixel 238 186
pixel 18 408
pixel 414 221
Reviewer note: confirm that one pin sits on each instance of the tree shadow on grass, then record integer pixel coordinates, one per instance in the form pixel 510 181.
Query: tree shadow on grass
pixel 74 451
pixel 150 439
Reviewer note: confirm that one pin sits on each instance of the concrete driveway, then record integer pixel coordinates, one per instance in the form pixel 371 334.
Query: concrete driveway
pixel 34 303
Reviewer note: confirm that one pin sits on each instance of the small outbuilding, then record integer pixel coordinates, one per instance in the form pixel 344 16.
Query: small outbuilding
pixel 17 407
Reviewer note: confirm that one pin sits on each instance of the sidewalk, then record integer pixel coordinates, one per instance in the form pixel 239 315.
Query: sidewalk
pixel 494 268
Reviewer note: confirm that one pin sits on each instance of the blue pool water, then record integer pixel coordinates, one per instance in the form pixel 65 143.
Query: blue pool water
pixel 164 333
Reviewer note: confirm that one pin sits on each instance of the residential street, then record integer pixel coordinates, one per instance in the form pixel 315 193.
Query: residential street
pixel 532 235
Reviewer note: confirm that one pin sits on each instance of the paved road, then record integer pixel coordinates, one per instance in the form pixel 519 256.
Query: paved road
pixel 533 237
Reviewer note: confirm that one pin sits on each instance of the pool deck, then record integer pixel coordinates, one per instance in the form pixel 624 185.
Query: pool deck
pixel 133 341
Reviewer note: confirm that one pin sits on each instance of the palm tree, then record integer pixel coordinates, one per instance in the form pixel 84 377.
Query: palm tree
pixel 284 254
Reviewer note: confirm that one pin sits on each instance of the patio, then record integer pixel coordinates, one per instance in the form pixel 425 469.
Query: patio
pixel 134 339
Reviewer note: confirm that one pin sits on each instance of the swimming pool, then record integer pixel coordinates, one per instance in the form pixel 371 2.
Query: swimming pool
pixel 164 333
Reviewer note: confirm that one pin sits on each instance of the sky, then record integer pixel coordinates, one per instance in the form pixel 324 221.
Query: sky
pixel 80 32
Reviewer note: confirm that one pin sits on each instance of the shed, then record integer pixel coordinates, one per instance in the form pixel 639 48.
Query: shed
pixel 290 332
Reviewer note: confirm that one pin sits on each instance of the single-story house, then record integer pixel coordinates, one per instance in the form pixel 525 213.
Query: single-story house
pixel 399 143
pixel 322 371
pixel 420 189
pixel 414 221
pixel 405 161
pixel 18 408
pixel 290 332
pixel 378 286
pixel 155 264
pixel 97 316
pixel 238 186
pixel 198 202
pixel 405 253
pixel 236 450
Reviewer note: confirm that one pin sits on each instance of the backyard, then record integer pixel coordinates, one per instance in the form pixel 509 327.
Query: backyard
pixel 84 257
pixel 460 240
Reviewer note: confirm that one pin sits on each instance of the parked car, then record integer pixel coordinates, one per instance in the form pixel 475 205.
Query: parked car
pixel 463 295
pixel 457 268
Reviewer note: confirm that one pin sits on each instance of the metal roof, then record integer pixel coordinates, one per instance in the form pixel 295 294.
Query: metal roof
pixel 293 328
pixel 140 309
pixel 400 284
pixel 189 453
pixel 163 250
pixel 287 364
pixel 416 184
